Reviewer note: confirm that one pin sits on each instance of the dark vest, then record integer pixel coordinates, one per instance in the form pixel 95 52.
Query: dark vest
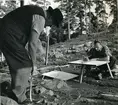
pixel 98 54
pixel 21 19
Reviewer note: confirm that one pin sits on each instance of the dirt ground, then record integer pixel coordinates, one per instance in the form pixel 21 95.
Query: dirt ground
pixel 71 92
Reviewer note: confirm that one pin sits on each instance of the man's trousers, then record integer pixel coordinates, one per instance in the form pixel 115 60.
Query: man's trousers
pixel 17 57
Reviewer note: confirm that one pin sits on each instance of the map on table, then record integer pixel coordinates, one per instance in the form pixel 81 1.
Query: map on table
pixel 96 63
pixel 60 75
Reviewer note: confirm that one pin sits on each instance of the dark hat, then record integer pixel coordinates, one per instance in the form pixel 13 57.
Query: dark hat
pixel 57 16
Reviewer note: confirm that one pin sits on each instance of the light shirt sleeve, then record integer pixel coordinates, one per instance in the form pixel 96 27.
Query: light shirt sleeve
pixel 108 52
pixel 37 27
pixel 38 23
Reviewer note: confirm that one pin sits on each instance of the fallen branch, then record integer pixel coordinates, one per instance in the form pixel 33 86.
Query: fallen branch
pixel 96 101
pixel 51 67
pixel 113 97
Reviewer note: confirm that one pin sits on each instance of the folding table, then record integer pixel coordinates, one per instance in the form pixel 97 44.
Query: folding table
pixel 92 63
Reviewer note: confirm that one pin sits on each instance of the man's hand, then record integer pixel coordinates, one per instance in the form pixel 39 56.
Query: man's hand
pixel 42 59
pixel 104 59
pixel 85 58
pixel 100 59
pixel 35 72
pixel 94 59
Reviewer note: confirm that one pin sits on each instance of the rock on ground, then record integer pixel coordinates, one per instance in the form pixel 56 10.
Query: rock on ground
pixel 7 101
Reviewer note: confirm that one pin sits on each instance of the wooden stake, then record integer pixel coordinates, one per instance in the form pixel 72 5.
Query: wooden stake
pixel 31 89
pixel 47 47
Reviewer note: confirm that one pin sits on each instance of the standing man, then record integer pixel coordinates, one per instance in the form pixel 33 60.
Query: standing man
pixel 18 28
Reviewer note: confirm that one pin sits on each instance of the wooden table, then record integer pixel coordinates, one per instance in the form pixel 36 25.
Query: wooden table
pixel 92 63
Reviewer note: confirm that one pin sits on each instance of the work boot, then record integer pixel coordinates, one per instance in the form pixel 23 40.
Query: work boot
pixel 7 91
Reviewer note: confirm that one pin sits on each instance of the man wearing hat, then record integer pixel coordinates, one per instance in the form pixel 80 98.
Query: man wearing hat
pixel 18 28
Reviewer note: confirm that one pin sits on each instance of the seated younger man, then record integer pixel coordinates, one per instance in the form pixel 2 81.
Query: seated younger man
pixel 101 53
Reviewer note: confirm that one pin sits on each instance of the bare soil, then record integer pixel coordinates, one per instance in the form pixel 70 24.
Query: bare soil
pixel 87 93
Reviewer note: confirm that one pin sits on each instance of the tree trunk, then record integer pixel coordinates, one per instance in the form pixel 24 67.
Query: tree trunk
pixel 68 20
pixel 117 16
pixel 21 3
pixel 81 25
pixel 86 15
pixel 89 17
pixel 68 27
pixel 45 5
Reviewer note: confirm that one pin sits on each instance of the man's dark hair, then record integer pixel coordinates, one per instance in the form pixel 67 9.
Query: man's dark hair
pixel 96 41
pixel 57 16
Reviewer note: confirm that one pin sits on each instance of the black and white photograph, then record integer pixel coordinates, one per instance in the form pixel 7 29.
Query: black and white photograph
pixel 58 52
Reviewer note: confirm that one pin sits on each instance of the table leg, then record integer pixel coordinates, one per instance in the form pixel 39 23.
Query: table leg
pixel 82 73
pixel 110 71
pixel 43 77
